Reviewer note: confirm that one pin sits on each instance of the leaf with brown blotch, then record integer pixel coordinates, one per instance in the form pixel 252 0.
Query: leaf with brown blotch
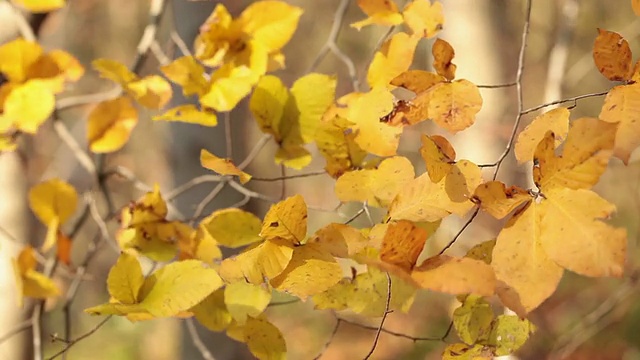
pixel 286 220
pixel 456 276
pixel 612 55
pixel 443 54
pixel 556 120
pixel 494 198
pixel 438 155
pixel 622 106
pixel 402 244
pixel 453 106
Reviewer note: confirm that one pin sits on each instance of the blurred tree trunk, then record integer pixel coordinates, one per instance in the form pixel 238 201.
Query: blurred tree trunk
pixel 186 142
pixel 13 220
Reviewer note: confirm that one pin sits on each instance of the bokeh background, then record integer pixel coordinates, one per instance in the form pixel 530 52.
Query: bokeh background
pixel 584 319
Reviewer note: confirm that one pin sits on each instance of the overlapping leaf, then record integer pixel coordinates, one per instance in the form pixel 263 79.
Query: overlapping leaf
pixel 424 18
pixel 110 125
pixel 222 166
pixel 53 202
pixel 556 120
pixel 394 57
pixel 30 282
pixel 379 12
pixel 622 107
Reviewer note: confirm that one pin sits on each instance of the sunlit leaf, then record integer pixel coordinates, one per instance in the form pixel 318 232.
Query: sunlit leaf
pixel 622 106
pixel 556 120
pixel 233 227
pixel 189 113
pixel 125 279
pixel 443 54
pixel 222 166
pixel 286 220
pixel 379 12
pixel 394 57
pixel 451 275
pixel 244 300
pixel 53 202
pixel 498 200
pixel 612 56
pixel 424 18
pixel 110 125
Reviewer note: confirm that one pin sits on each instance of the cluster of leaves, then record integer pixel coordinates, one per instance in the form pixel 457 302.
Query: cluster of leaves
pixel 559 224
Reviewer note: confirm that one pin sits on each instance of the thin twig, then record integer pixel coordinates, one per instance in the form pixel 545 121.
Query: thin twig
pixel 384 317
pixel 184 49
pixel 71 343
pixel 330 340
pixel 254 152
pixel 464 227
pixel 355 216
pixel 399 334
pixel 208 199
pixel 23 326
pixel 511 84
pixel 519 73
pixel 81 100
pixel 159 54
pixel 289 177
pixel 202 179
pixel 571 99
pixel 227 135
pixel 83 158
pixel 197 341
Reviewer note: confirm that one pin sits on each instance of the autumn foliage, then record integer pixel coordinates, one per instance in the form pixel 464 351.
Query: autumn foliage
pixel 559 224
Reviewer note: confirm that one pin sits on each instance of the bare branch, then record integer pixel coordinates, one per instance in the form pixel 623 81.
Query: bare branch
pixel 197 341
pixel 208 199
pixel 81 100
pixel 83 158
pixel 511 84
pixel 184 49
pixel 464 227
pixel 331 337
pixel 289 177
pixel 571 99
pixel 202 179
pixel 254 152
pixel 70 343
pixel 384 317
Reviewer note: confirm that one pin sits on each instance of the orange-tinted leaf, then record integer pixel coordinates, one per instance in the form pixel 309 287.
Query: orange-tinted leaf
pixel 585 155
pixel 612 56
pixel 635 5
pixel 312 270
pixel 423 200
pixel 424 18
pixel 451 275
pixel 222 166
pixel 438 155
pixel 340 240
pixel 417 80
pixel 622 106
pixel 394 57
pixel 520 261
pixel 110 125
pixel 494 198
pixel 63 249
pixel 152 92
pixel 575 236
pixel 556 120
pixel 442 56
pixel 453 106
pixel 402 244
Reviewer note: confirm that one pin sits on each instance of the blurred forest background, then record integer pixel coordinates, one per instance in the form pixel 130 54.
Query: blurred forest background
pixel 585 319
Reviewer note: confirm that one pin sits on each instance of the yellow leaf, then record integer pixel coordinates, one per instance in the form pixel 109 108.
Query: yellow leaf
pixel 190 114
pixel 464 352
pixel 438 155
pixel 311 271
pixel 402 244
pixel 222 166
pixel 372 135
pixel 7 143
pixel 509 333
pixel 69 67
pixel 456 276
pixel 340 240
pixel 28 106
pixel 152 92
pixel 424 18
pixel 379 12
pixel 286 220
pixel 119 309
pixel 622 106
pixel 556 120
pixel 125 279
pixel 394 57
pixel 40 6
pixel 188 73
pixel 245 300
pixel 576 238
pixel 494 198
pixel 370 292
pixel 180 286
pixel 212 312
pixel 336 298
pixel 266 260
pixel 483 251
pixel 338 146
pixel 612 56
pixel 53 202
pixel 264 339
pixel 585 156
pixel 29 282
pixel 635 4
pixel 453 106
pixel 376 186
pixel 110 125
pixel 313 94
pixel 443 54
pixel 228 85
pixel 423 200
pixel 233 227
pixel 472 320
pixel 417 81
pixel 151 207
pixel 271 23
pixel 520 261
pixel 114 71
pixel 201 246
pixel 17 57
